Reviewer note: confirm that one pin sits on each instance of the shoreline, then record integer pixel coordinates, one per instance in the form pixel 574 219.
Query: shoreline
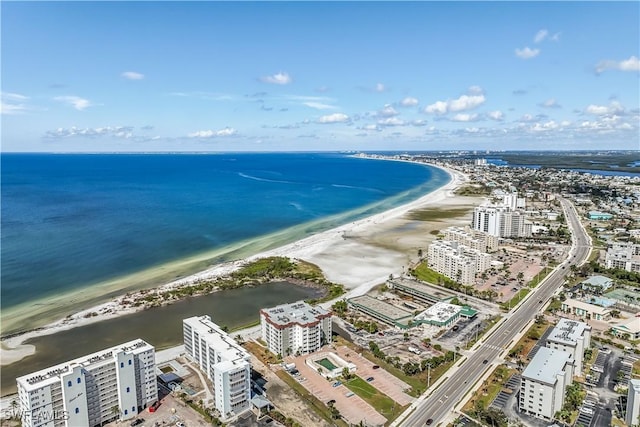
pixel 314 248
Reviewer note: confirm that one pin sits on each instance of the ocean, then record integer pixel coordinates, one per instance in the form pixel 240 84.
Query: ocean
pixel 73 222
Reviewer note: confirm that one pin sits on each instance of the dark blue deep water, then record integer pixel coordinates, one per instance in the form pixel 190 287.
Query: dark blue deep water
pixel 70 221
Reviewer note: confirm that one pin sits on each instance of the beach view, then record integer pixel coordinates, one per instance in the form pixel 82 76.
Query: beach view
pixel 320 214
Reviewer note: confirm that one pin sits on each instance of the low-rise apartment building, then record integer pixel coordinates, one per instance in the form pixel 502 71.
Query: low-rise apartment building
pixel 544 383
pixel 632 414
pixel 113 384
pixel 585 310
pixel 224 362
pixel 296 328
pixel 573 338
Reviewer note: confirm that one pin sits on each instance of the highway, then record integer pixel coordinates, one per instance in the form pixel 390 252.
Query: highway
pixel 446 397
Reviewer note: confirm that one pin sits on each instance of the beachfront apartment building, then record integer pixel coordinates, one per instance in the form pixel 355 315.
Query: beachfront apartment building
pixel 572 337
pixel 296 328
pixel 473 239
pixel 457 262
pixel 112 384
pixel 500 221
pixel 625 256
pixel 225 362
pixel 544 383
pixel 632 414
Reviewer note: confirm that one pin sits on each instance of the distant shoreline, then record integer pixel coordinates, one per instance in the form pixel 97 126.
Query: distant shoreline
pixel 313 249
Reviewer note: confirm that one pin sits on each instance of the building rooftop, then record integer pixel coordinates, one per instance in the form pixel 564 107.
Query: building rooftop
pixel 430 293
pixel 546 365
pixel 439 312
pixel 298 312
pixel 52 374
pixel 568 331
pixel 631 326
pixel 601 281
pixel 385 309
pixel 225 346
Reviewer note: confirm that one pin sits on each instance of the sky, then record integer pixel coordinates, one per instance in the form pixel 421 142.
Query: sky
pixel 319 76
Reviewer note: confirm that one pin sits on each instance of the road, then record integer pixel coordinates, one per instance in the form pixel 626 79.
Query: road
pixel 446 397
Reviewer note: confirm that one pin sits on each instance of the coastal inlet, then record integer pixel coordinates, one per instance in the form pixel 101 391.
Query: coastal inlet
pixel 159 326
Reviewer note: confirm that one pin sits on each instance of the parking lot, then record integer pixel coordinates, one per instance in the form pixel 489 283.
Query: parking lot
pixel 352 408
pixel 171 412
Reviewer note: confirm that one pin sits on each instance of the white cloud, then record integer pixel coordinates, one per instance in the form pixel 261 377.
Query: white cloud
pixel 544 127
pixel 409 102
pixel 496 115
pixel 465 117
pixel 213 133
pixel 379 87
pixel 10 109
pixel 540 36
pixel 463 103
pixel 600 110
pixel 438 107
pixel 371 127
pixel 13 96
pixel 527 53
pixel 125 132
pixel 419 122
pixel 132 75
pixel 631 64
pixel 387 111
pixel 550 103
pixel 391 121
pixel 333 118
pixel 466 102
pixel 277 79
pixel 12 103
pixel 75 101
pixel 475 90
pixel 319 105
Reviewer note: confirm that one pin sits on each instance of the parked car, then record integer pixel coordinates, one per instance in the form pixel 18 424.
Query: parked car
pixel 136 422
pixel 337 383
pixel 369 379
pixel 376 367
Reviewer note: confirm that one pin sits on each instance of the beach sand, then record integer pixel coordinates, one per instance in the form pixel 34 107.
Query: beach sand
pixel 359 255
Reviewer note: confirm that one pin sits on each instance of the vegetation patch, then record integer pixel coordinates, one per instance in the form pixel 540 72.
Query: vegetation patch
pixel 478 405
pixel 473 190
pixel 436 214
pixel 382 403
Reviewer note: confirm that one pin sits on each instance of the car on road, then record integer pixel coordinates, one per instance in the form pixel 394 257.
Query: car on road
pixel 369 379
pixel 455 328
pixel 136 422
pixel 429 422
pixel 485 361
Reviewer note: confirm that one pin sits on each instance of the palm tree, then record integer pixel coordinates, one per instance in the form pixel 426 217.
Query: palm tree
pixel 115 411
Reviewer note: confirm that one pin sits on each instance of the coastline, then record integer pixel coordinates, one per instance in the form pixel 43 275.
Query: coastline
pixel 349 254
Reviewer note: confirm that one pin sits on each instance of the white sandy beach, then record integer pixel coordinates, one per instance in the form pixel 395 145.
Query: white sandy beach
pixel 359 255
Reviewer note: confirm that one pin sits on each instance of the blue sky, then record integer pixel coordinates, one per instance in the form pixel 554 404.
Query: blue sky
pixel 217 76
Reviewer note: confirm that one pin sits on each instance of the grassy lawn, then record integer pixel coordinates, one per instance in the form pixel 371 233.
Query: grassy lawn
pixel 526 343
pixel 382 403
pixel 319 407
pixel 437 214
pixel 261 353
pixel 636 369
pixel 489 389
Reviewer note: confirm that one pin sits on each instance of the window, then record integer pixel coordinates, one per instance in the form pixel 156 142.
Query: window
pixel 129 362
pixel 128 389
pixel 126 411
pixel 133 409
pixel 122 364
pixel 77 410
pixel 68 383
pixel 79 381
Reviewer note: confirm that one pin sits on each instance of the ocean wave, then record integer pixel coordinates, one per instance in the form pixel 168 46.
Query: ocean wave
pixel 255 178
pixel 298 206
pixel 373 190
